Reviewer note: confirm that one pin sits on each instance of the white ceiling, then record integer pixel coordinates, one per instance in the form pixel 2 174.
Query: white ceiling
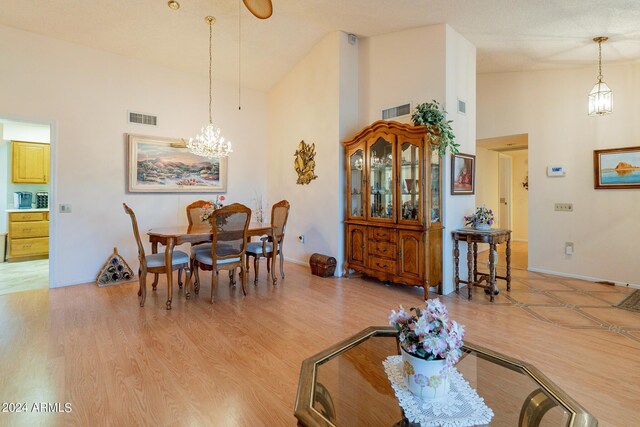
pixel 510 34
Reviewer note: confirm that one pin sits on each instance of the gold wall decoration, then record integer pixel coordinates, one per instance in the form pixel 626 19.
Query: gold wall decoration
pixel 304 163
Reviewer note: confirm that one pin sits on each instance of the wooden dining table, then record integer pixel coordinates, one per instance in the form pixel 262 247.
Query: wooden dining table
pixel 171 237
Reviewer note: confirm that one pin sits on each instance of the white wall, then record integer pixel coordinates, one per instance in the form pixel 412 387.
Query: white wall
pixel 519 195
pixel 401 67
pixel 487 193
pixel 460 84
pixel 314 102
pixel 551 106
pixel 85 94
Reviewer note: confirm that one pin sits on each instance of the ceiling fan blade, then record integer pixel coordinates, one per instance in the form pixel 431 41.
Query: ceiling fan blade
pixel 260 8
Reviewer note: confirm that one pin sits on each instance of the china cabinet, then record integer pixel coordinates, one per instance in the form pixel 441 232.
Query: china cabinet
pixel 393 226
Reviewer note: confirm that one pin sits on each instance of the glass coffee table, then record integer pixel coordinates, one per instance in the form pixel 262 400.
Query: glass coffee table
pixel 346 385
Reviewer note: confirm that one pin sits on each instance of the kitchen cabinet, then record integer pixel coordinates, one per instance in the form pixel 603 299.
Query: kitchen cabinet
pixel 394 199
pixel 30 162
pixel 28 235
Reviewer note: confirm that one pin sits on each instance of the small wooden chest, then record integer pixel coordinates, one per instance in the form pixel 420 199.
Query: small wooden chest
pixel 322 265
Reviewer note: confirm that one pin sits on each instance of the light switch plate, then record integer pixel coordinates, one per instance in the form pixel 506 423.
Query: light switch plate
pixel 564 207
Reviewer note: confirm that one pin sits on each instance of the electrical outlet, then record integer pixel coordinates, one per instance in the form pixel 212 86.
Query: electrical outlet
pixel 568 248
pixel 65 208
pixel 301 238
pixel 564 207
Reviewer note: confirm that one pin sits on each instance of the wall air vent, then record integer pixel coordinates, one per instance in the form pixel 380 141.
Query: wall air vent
pixel 143 119
pixel 393 112
pixel 462 107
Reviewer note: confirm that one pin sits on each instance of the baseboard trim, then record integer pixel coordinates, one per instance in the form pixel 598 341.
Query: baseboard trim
pixel 520 240
pixel 296 261
pixel 581 277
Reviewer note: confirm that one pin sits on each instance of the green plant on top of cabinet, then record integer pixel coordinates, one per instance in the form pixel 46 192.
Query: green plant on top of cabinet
pixel 30 162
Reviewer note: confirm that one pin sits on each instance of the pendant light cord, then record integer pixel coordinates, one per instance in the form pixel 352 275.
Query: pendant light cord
pixel 239 54
pixel 210 62
pixel 600 60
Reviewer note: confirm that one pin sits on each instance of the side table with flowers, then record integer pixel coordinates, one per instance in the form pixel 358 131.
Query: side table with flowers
pixel 430 345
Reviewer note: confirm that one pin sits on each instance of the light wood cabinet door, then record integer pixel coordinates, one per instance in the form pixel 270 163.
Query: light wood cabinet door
pixel 411 254
pixel 357 241
pixel 30 162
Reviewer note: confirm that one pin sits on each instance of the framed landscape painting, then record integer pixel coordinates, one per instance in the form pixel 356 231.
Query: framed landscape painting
pixel 166 165
pixel 617 168
pixel 463 174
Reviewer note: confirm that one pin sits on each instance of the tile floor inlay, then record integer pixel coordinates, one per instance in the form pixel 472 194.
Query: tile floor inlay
pixel 570 303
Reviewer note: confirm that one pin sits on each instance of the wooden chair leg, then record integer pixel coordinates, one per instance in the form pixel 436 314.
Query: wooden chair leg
pixel 256 268
pixel 281 263
pixel 139 282
pixel 154 285
pixel 247 266
pixel 232 277
pixel 180 278
pixel 196 274
pixel 268 265
pixel 188 287
pixel 143 287
pixel 244 282
pixel 214 283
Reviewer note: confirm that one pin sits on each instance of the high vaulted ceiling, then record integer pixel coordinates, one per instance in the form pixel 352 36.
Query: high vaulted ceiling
pixel 510 34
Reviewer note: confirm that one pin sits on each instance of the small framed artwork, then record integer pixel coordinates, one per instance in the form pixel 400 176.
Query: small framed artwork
pixel 164 165
pixel 617 168
pixel 463 174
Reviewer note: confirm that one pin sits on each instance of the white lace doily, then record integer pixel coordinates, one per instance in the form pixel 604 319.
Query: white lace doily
pixel 462 407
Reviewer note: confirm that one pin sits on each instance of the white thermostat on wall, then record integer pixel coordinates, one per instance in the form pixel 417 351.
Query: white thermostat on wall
pixel 556 171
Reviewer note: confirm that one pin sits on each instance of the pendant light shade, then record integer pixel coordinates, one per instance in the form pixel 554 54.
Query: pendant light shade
pixel 600 97
pixel 210 143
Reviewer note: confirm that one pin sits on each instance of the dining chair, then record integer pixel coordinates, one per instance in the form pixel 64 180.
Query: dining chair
pixel 154 263
pixel 264 248
pixel 229 228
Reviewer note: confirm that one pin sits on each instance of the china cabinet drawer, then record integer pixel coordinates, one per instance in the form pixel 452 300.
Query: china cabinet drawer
pixel 380 233
pixel 382 264
pixel 29 247
pixel 28 216
pixel 28 229
pixel 383 249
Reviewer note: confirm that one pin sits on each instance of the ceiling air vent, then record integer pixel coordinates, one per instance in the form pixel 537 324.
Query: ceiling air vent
pixel 143 119
pixel 393 112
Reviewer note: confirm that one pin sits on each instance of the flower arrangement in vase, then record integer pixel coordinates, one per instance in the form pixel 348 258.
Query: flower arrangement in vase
pixel 211 206
pixel 430 344
pixel 482 219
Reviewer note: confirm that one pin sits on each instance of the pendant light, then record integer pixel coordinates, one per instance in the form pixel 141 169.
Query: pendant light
pixel 210 143
pixel 600 97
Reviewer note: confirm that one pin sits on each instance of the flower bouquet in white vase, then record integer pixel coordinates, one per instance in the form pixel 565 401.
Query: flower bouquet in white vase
pixel 482 219
pixel 431 345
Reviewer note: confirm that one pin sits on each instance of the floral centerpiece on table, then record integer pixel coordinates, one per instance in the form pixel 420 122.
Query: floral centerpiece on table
pixel 211 206
pixel 482 219
pixel 431 343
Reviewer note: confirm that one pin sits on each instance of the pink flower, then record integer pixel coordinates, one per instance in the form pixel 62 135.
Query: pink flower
pixel 222 198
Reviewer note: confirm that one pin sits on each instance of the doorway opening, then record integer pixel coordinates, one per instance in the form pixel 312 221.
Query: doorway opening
pixel 25 159
pixel 502 185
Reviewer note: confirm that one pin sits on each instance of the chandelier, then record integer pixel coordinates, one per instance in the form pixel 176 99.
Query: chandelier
pixel 600 97
pixel 210 143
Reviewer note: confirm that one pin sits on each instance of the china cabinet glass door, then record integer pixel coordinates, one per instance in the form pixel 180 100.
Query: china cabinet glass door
pixel 434 191
pixel 356 183
pixel 381 182
pixel 410 182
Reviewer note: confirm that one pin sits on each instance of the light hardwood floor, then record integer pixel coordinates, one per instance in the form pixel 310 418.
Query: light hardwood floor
pixel 23 276
pixel 236 362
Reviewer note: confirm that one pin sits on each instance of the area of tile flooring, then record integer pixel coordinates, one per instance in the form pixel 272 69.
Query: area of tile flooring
pixel 566 302
pixel 23 276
